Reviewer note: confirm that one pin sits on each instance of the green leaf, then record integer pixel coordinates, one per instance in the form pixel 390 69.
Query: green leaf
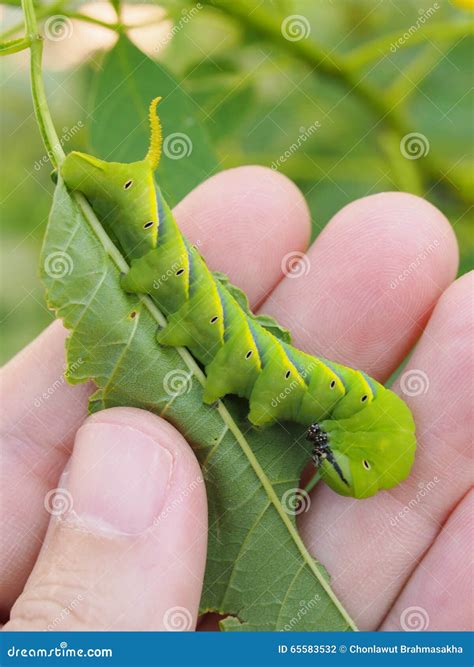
pixel 124 88
pixel 258 571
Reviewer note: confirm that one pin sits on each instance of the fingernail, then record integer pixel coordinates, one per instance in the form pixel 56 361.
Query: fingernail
pixel 118 479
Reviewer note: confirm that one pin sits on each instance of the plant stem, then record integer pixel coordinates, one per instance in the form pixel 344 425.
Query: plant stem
pixel 413 74
pixel 14 45
pixel 45 12
pixel 43 116
pixel 363 55
pixel 117 27
pixel 40 12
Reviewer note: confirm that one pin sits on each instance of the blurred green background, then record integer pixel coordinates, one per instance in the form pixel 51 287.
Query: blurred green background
pixel 323 90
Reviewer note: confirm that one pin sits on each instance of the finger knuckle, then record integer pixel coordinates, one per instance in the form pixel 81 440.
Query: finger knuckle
pixel 53 605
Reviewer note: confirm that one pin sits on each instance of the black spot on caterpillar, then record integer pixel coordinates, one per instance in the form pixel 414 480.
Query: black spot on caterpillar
pixel 350 418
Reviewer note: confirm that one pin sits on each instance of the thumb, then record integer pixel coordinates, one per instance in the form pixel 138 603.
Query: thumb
pixel 126 544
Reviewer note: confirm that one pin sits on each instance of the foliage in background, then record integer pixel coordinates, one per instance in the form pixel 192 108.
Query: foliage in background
pixel 259 98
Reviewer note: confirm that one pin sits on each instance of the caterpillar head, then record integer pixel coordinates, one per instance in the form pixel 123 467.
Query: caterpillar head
pixel 372 450
pixel 121 194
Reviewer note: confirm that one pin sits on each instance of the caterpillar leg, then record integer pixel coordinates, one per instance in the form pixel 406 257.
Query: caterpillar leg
pixel 319 437
pixel 316 457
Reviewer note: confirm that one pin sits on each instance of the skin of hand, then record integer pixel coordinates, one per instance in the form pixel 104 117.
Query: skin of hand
pixel 122 545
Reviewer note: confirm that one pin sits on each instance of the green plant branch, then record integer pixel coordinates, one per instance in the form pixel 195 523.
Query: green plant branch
pixel 45 12
pixel 338 67
pixel 366 54
pixel 402 171
pixel 40 12
pixel 43 116
pixel 117 26
pixel 15 3
pixel 14 45
pixel 412 75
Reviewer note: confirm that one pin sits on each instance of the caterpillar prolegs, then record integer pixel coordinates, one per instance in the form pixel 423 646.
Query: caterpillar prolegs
pixel 363 434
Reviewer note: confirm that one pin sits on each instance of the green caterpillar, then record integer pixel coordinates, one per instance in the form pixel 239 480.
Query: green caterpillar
pixel 363 434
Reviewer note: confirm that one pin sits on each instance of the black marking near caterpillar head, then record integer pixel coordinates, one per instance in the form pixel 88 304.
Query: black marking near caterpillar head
pixel 322 450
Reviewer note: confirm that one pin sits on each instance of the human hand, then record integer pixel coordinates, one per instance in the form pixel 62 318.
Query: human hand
pixel 130 553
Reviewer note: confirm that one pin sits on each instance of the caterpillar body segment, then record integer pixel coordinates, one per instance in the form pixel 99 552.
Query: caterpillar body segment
pixel 362 433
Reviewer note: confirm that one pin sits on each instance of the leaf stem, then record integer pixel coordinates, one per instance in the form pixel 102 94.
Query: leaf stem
pixel 117 27
pixel 45 12
pixel 43 115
